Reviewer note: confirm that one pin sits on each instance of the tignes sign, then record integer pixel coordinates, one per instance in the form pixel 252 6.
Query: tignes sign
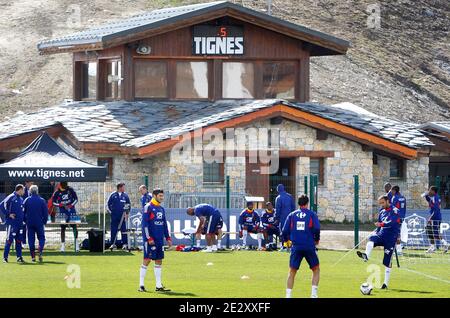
pixel 217 40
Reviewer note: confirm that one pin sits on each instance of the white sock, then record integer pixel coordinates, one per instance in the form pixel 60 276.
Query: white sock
pixel 314 291
pixel 142 274
pixel 198 243
pixel 288 293
pixel 214 247
pixel 219 243
pixel 259 240
pixel 387 274
pixel 444 242
pixel 399 248
pixel 157 269
pixel 369 248
pixel 244 237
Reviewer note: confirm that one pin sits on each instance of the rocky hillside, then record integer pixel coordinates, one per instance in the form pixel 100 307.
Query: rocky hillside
pixel 400 69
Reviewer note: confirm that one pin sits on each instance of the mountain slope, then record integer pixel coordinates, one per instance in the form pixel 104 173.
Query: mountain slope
pixel 400 70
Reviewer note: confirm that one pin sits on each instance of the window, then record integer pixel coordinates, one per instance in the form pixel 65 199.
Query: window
pixel 213 172
pixel 108 162
pixel 113 80
pixel 192 80
pixel 150 79
pixel 396 168
pixel 238 80
pixel 89 80
pixel 279 80
pixel 316 167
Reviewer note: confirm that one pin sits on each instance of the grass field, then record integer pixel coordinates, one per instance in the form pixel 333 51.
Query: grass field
pixel 116 274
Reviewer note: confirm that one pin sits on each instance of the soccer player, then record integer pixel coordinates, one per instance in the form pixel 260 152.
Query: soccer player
pixel 284 204
pixel 65 198
pixel 26 194
pixel 302 227
pixel 434 220
pixel 249 221
pixel 36 215
pixel 217 240
pixel 154 231
pixel 13 209
pixel 399 201
pixel 145 196
pixel 389 229
pixel 211 215
pixel 119 206
pixel 270 225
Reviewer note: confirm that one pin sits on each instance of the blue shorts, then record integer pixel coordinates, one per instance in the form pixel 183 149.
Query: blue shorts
pixel 297 256
pixel 272 231
pixel 388 248
pixel 14 232
pixel 215 222
pixel 252 228
pixel 153 252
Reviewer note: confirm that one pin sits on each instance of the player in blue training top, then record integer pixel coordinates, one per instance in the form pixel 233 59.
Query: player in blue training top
pixel 399 201
pixel 154 231
pixel 119 206
pixel 36 215
pixel 145 196
pixel 270 226
pixel 12 206
pixel 302 227
pixel 211 216
pixel 387 235
pixel 249 222
pixel 434 220
pixel 65 198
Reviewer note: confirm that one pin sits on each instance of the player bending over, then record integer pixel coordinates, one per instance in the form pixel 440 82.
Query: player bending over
pixel 210 215
pixel 388 226
pixel 249 223
pixel 270 226
pixel 12 206
pixel 36 215
pixel 154 230
pixel 435 219
pixel 302 227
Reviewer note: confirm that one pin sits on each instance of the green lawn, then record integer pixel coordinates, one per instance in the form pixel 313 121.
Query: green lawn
pixel 116 274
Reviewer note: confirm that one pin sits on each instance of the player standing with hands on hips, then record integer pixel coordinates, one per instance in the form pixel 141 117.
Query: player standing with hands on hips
pixel 302 227
pixel 154 231
pixel 12 206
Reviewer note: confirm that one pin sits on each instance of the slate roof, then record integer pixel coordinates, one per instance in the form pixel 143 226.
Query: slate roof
pixel 161 17
pixel 441 126
pixel 142 123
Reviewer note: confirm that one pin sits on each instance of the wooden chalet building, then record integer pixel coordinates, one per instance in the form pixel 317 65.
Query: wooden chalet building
pixel 140 83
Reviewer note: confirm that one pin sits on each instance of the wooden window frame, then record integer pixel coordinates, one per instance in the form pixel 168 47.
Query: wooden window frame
pixel 79 79
pixel 321 177
pixel 102 78
pixel 170 76
pixel 110 161
pixel 401 168
pixel 221 182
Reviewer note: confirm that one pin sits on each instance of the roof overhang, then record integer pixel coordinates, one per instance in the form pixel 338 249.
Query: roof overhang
pixel 318 43
pixel 295 115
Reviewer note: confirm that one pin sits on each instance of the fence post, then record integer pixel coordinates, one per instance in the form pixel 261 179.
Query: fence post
pixel 356 208
pixel 228 204
pixel 437 182
pixel 306 185
pixel 146 181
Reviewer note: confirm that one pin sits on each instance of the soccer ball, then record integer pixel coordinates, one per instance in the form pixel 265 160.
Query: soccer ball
pixel 366 288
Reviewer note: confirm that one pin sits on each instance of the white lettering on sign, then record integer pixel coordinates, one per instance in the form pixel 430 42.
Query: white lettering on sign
pixel 218 45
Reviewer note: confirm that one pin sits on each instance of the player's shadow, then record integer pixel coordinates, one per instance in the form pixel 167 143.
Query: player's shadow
pixel 173 293
pixel 43 263
pixel 411 291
